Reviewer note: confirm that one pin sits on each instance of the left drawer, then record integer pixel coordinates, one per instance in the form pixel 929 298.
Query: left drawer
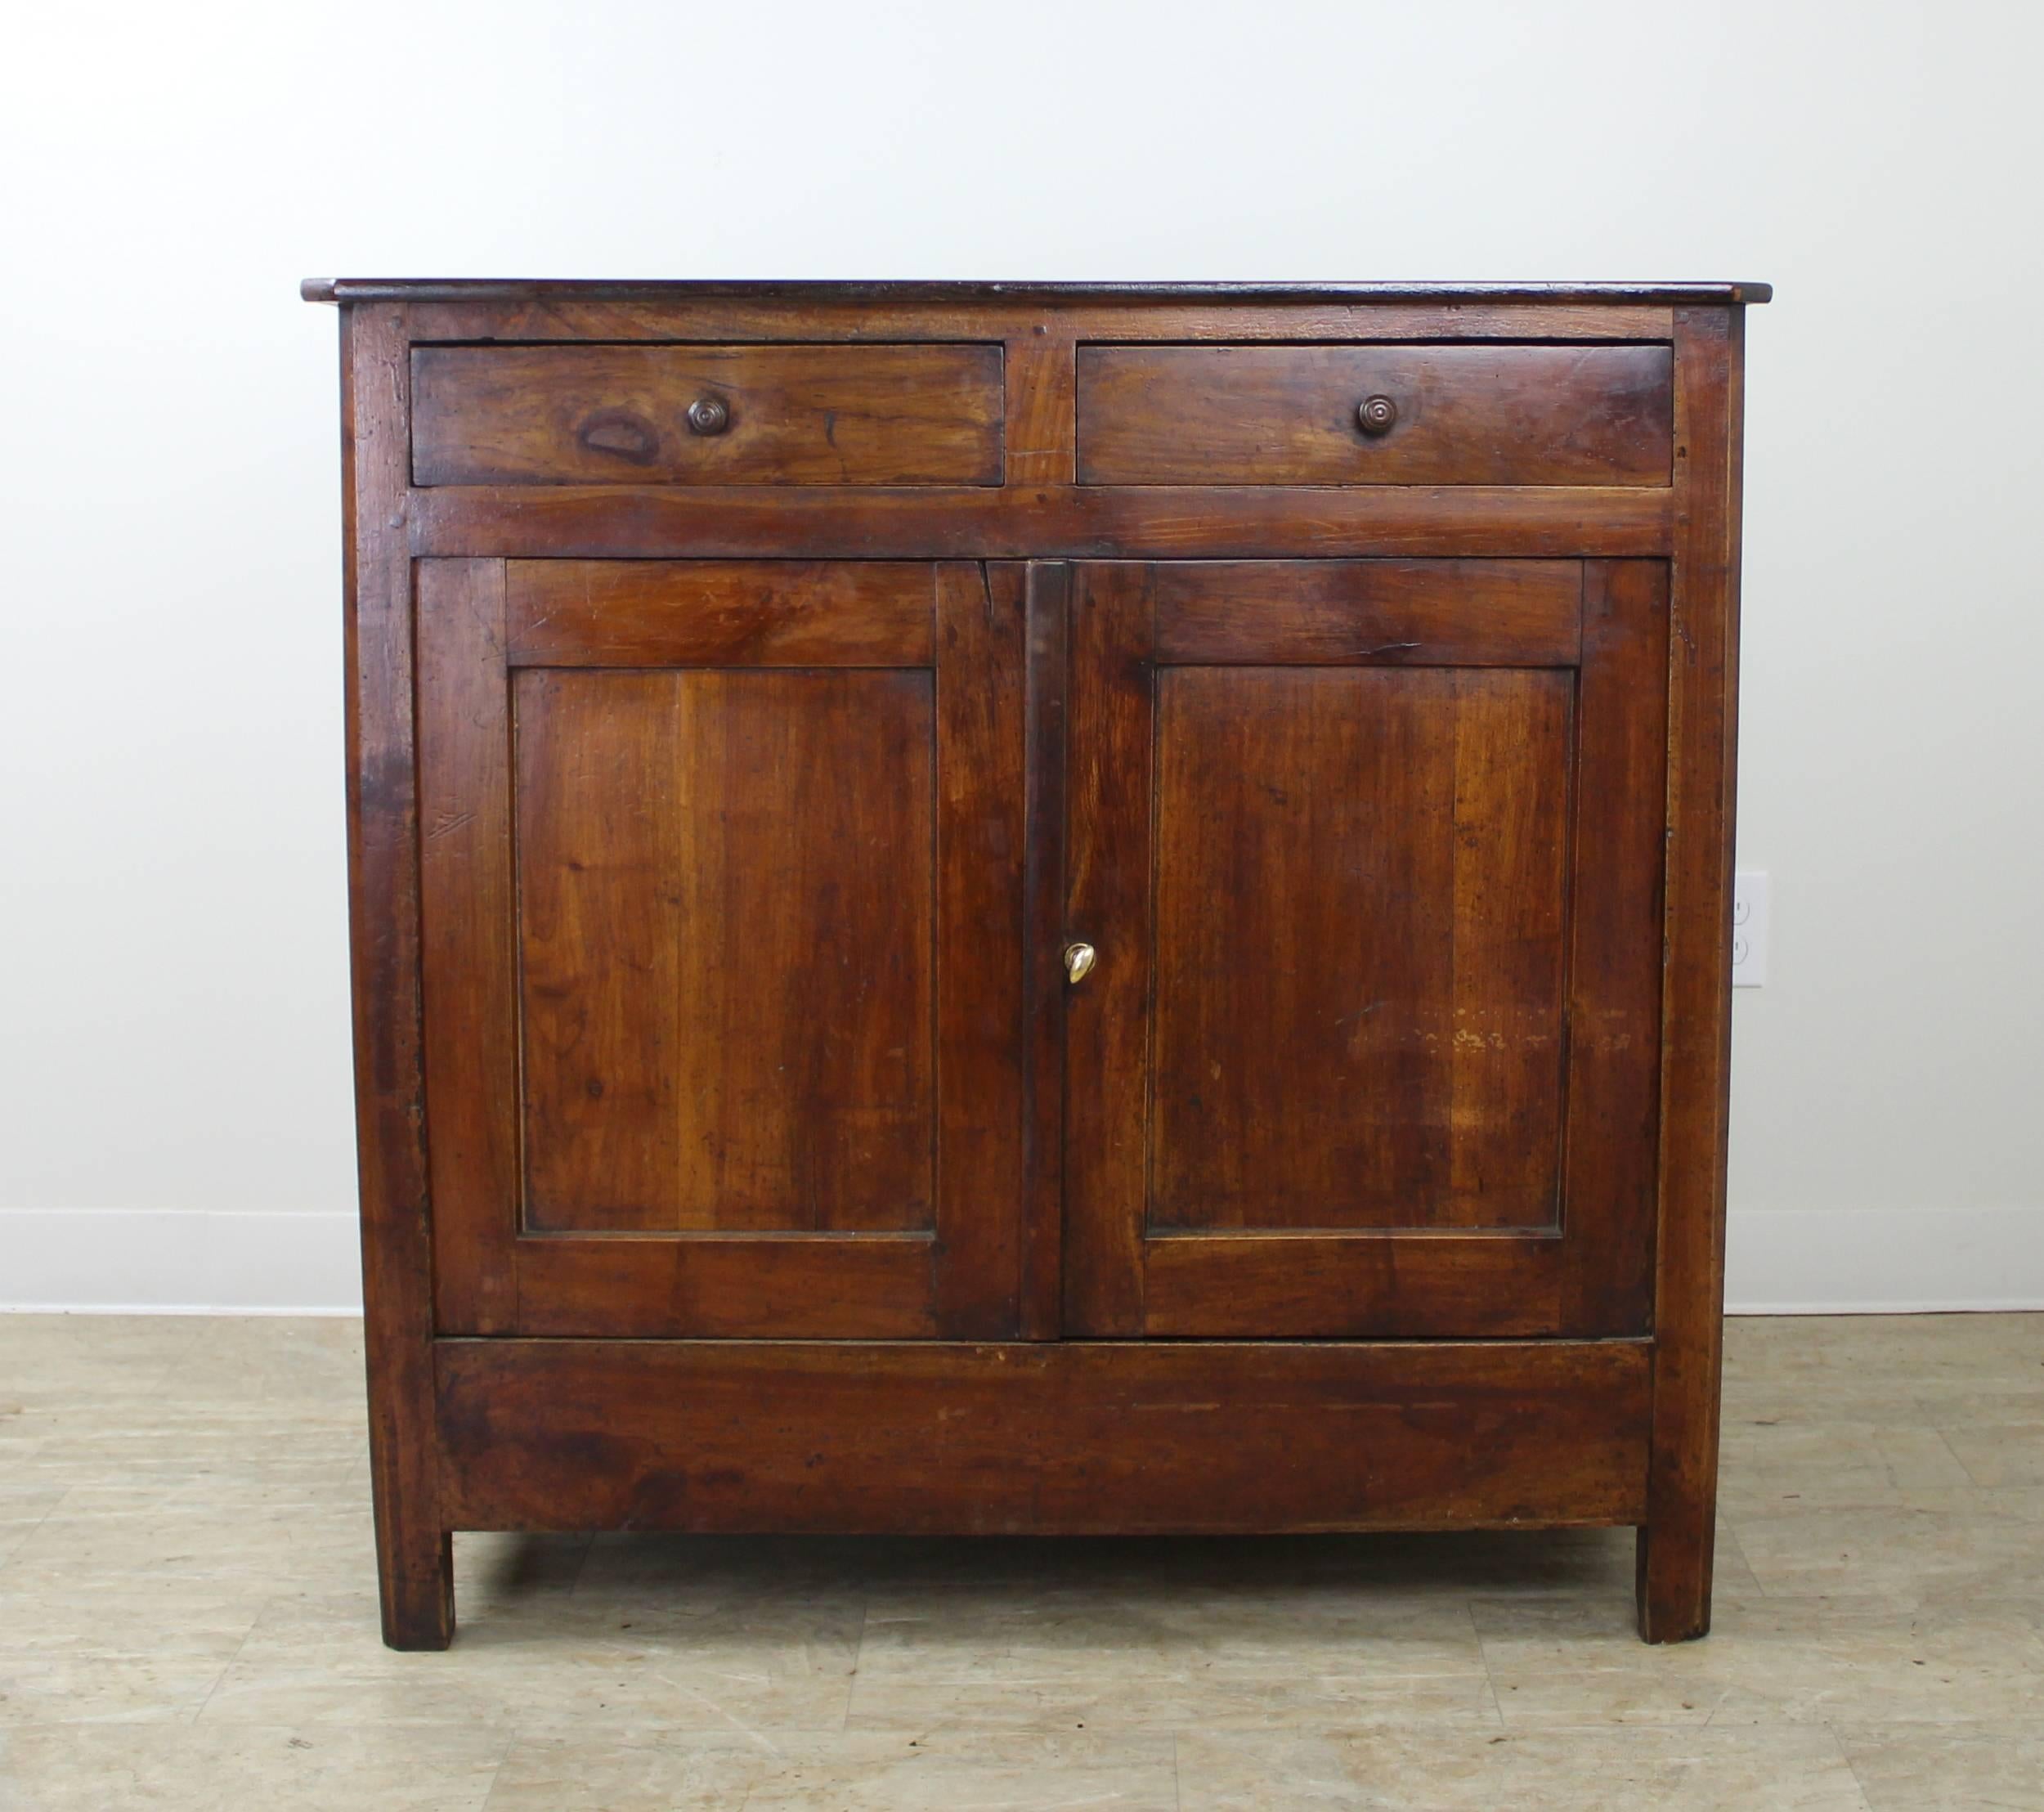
pixel 786 414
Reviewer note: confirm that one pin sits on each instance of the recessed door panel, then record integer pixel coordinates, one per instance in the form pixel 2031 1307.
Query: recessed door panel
pixel 1361 886
pixel 725 913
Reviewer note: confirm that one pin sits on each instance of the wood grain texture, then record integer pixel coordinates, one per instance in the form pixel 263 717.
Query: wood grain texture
pixel 1428 613
pixel 1616 937
pixel 1286 415
pixel 1070 1438
pixel 1047 601
pixel 1358 965
pixel 726 918
pixel 1407 1284
pixel 1041 373
pixel 1677 1543
pixel 1507 906
pixel 1108 799
pixel 981 671
pixel 796 415
pixel 611 1052
pixel 717 613
pixel 740 1286
pixel 1220 521
pixel 414 1558
pixel 469 924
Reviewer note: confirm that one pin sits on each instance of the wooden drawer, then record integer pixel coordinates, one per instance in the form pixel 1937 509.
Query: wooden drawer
pixel 1375 414
pixel 706 414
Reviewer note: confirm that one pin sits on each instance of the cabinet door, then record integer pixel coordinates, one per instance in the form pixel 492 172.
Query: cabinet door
pixel 721 889
pixel 1371 855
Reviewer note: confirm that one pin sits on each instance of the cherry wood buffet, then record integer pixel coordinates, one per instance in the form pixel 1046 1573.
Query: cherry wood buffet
pixel 988 908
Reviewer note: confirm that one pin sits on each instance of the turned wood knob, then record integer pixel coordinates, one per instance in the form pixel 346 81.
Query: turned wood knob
pixel 1376 415
pixel 709 415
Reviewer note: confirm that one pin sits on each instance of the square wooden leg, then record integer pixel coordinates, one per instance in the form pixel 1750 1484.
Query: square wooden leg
pixel 1673 1581
pixel 415 1574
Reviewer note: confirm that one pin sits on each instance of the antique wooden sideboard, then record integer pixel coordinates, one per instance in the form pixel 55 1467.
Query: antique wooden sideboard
pixel 1060 909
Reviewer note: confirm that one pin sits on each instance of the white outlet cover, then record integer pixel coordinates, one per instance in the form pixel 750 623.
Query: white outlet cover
pixel 1748 928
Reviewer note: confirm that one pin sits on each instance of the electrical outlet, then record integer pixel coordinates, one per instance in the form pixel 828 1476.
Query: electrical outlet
pixel 1748 928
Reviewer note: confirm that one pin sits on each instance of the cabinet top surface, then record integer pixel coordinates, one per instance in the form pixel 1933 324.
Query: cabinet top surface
pixel 347 290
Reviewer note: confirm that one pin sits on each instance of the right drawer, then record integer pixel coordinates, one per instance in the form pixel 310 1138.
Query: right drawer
pixel 1375 414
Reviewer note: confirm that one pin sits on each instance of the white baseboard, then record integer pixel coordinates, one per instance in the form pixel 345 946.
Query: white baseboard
pixel 180 1262
pixel 1801 1261
pixel 1778 1262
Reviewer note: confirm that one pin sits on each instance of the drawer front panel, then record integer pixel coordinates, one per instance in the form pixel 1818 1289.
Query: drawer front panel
pixel 1375 414
pixel 707 414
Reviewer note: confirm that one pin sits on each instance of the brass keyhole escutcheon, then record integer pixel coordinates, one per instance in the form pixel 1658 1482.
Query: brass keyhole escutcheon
pixel 1078 962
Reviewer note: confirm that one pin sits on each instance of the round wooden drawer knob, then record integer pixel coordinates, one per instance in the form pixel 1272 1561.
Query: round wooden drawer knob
pixel 709 415
pixel 1376 415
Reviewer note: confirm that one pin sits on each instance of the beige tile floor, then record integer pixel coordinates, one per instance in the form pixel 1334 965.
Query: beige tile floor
pixel 188 1619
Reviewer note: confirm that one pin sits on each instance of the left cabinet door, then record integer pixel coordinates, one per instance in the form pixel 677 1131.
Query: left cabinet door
pixel 721 877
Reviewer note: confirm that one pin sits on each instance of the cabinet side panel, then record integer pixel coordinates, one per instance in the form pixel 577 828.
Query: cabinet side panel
pixel 414 1560
pixel 1676 1545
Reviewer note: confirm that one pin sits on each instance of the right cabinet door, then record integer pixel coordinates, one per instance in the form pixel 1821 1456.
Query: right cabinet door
pixel 1371 855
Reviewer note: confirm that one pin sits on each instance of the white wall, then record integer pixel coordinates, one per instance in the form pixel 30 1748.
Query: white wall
pixel 175 1085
